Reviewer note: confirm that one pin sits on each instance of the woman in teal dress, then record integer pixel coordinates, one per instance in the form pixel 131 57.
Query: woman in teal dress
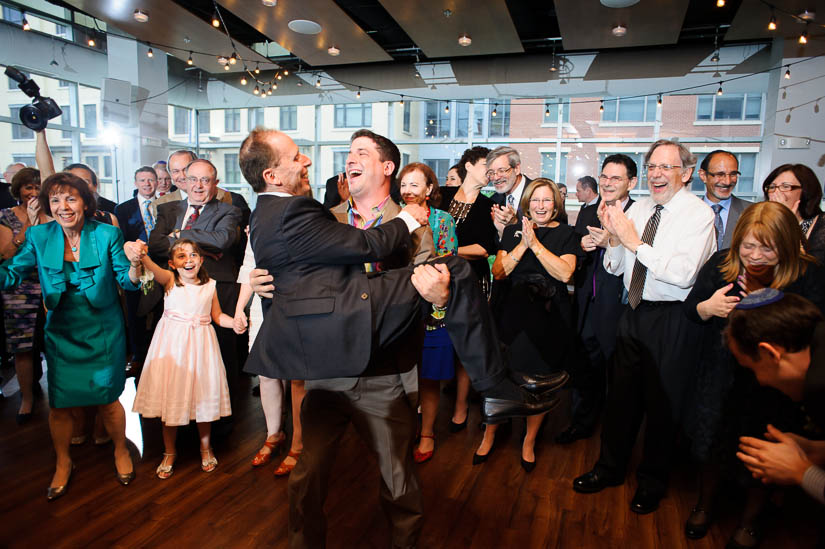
pixel 79 262
pixel 419 185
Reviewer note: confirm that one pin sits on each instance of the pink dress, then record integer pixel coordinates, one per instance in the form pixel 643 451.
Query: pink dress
pixel 183 375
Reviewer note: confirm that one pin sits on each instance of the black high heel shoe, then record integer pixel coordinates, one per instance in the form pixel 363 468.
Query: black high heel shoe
pixel 528 466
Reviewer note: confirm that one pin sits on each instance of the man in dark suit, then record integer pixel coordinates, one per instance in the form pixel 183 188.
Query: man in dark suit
pixel 504 172
pixel 598 299
pixel 136 220
pixel 323 291
pixel 215 226
pixel 719 172
pixel 103 204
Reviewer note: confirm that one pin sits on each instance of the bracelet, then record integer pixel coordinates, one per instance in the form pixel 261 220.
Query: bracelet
pixel 439 312
pixel 513 258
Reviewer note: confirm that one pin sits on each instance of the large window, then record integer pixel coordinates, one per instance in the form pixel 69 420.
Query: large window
pixel 500 118
pixel 730 106
pixel 407 111
pixel 634 109
pixel 255 117
pixel 462 119
pixel 551 111
pixel 181 121
pixel 438 119
pixel 204 122
pixel 339 161
pixel 232 120
pixel 232 170
pixel 66 120
pixel 90 120
pixel 18 131
pixel 440 166
pixel 357 115
pixel 548 166
pixel 289 118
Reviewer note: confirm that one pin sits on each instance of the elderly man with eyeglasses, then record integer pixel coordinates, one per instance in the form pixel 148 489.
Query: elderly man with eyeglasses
pixel 720 173
pixel 504 173
pixel 658 246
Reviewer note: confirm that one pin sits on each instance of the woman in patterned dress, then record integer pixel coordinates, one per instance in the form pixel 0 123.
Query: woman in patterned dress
pixel 21 305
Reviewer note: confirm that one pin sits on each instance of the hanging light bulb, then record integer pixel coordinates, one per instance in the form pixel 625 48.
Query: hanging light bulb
pixel 803 38
pixel 286 72
pixel 495 110
pixel 318 82
pixel 720 3
pixel 226 67
pixel 659 101
pixel 190 61
pixel 715 57
pixel 91 42
pixel 275 86
pixel 447 108
pixel 547 111
pixel 788 73
pixel 233 58
pixel 243 80
pixel 358 95
pixel 26 25
pixel 601 106
pixel 150 53
pixel 279 77
pixel 269 91
pixel 719 91
pixel 402 101
pixel 257 69
pixel 215 21
pixel 256 91
pixel 772 23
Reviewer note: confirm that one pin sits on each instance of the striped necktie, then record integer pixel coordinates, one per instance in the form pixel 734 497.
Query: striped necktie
pixel 193 217
pixel 637 279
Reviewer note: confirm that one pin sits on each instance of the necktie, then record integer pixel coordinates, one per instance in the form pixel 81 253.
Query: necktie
pixel 511 201
pixel 717 224
pixel 193 217
pixel 148 220
pixel 637 279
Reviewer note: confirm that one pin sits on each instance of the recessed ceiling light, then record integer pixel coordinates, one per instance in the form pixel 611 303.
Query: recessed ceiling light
pixel 807 15
pixel 141 16
pixel 333 51
pixel 269 3
pixel 304 26
pixel 619 31
pixel 618 3
pixel 464 40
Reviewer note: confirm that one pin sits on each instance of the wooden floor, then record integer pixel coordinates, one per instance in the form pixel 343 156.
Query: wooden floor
pixel 495 504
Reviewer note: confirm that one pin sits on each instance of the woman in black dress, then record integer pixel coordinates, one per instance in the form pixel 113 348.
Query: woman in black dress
pixel 476 234
pixel 535 261
pixel 726 401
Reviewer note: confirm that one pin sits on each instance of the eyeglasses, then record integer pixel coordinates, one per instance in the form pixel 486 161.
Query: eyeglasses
pixel 723 175
pixel 784 187
pixel 203 180
pixel 663 167
pixel 615 179
pixel 501 172
pixel 539 201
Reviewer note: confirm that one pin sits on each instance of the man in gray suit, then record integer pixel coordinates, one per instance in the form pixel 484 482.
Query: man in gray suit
pixel 719 172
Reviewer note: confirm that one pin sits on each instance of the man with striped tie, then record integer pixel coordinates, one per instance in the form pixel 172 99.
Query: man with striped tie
pixel 658 246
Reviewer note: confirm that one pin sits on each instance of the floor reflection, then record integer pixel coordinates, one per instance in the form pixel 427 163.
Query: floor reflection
pixel 134 431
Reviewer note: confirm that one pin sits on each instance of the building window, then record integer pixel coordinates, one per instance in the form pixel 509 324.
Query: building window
pixel 63 83
pixel 551 111
pixel 730 106
pixel 289 118
pixel 66 120
pixel 462 118
pixel 232 170
pixel 407 112
pixel 90 120
pixel 107 165
pixel 548 166
pixel 232 120
pixel 438 121
pixel 27 159
pixel 631 109
pixel 181 121
pixel 19 131
pixel 440 166
pixel 339 161
pixel 12 15
pixel 357 115
pixel 405 159
pixel 93 162
pixel 500 123
pixel 204 125
pixel 255 118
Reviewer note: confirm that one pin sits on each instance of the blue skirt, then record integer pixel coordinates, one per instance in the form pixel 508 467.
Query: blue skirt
pixel 437 360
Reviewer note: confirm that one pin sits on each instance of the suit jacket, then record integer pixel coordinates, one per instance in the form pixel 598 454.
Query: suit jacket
pixel 606 305
pixel 130 219
pixel 320 323
pixel 216 230
pixel 222 196
pixel 102 263
pixel 105 204
pixel 737 206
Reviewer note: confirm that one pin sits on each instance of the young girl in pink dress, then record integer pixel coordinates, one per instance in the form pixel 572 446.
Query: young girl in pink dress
pixel 183 375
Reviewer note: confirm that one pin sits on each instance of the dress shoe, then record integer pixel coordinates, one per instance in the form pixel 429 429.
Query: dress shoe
pixel 697 524
pixel 537 383
pixel 572 434
pixel 102 441
pixel 22 419
pixel 644 501
pixel 498 410
pixel 478 459
pixel 528 465
pixel 210 462
pixel 59 491
pixel 263 458
pixel 78 440
pixel 285 468
pixel 125 478
pixel 421 457
pixel 165 471
pixel 744 538
pixel 457 427
pixel 594 481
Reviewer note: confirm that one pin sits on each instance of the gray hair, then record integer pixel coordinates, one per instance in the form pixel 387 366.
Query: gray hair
pixel 192 155
pixel 687 158
pixel 513 156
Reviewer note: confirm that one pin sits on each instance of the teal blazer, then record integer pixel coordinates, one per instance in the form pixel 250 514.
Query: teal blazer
pixel 102 263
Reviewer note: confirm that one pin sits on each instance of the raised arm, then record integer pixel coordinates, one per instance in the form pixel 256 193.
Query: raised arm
pixel 43 156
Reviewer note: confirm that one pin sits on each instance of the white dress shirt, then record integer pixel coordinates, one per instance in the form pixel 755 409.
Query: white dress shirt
pixel 518 190
pixel 683 243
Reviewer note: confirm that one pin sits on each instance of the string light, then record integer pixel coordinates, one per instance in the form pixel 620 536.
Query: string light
pixel 719 91
pixel 275 86
pixel 233 58
pixel 547 111
pixel 190 61
pixel 318 82
pixel 26 25
pixel 286 72
pixel 150 53
pixel 257 68
pixel 601 106
pixel 256 91
pixel 772 23
pixel 226 67
pixel 243 80
pixel 788 73
pixel 803 38
pixel 358 95
pixel 279 77
pixel 402 101
pixel 495 110
pixel 720 3
pixel 91 42
pixel 215 21
pixel 269 91
pixel 659 101
pixel 447 108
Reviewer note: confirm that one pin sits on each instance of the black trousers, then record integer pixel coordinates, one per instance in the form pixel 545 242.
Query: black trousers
pixel 655 357
pixel 227 339
pixel 468 318
pixel 590 378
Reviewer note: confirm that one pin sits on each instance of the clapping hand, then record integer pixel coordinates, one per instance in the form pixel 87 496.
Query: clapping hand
pixel 778 460
pixel 528 233
pixel 598 236
pixel 503 216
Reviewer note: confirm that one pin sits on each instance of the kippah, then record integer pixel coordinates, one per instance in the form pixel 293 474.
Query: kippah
pixel 760 298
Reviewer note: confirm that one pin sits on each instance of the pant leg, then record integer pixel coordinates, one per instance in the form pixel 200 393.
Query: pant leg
pixel 385 420
pixel 324 418
pixel 625 405
pixel 589 379
pixel 227 341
